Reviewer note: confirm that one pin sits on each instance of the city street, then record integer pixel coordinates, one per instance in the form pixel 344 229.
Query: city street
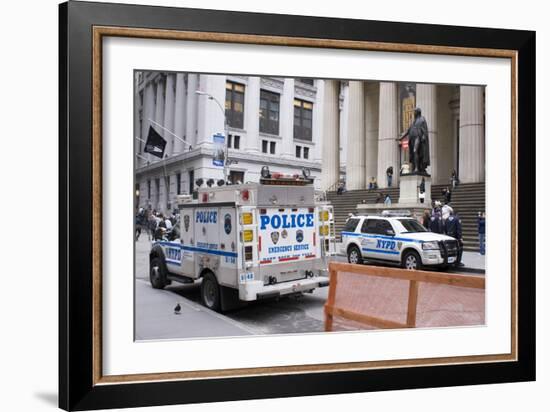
pixel 155 318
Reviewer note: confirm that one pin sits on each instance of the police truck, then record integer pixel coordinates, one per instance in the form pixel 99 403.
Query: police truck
pixel 248 242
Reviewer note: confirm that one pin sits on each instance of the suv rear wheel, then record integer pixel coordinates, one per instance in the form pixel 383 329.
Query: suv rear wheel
pixel 354 255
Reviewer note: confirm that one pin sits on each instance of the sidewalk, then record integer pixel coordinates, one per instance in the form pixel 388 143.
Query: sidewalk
pixel 155 318
pixel 473 260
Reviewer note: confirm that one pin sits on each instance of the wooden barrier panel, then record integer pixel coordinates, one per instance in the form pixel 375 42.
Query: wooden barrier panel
pixel 386 297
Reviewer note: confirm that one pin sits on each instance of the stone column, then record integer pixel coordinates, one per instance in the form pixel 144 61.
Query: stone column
pixel 191 109
pixel 169 104
pixel 355 156
pixel 148 113
pixel 426 100
pixel 318 112
pixel 179 114
pixel 471 135
pixel 372 93
pixel 387 133
pixel 252 114
pixel 330 168
pixel 286 123
pixel 210 116
pixel 159 109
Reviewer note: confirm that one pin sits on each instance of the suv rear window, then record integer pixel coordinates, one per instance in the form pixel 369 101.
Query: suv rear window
pixel 351 224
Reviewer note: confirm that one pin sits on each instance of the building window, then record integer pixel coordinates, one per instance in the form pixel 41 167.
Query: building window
pixel 236 177
pixel 268 147
pixel 298 151
pixel 305 81
pixel 269 112
pixel 148 190
pixel 234 104
pixel 234 142
pixel 306 152
pixel 178 184
pixel 303 113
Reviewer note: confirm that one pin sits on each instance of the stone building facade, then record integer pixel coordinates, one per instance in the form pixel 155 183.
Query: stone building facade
pixel 340 130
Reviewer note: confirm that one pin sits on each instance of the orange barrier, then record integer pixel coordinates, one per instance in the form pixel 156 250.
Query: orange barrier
pixel 386 297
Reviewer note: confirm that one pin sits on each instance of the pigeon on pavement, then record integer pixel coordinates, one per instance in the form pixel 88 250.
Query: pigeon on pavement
pixel 177 309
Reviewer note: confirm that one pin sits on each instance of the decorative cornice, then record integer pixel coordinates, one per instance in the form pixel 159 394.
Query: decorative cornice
pixel 273 82
pixel 195 154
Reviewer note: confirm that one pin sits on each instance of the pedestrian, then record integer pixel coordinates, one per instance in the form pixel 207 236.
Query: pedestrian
pixel 454 179
pixel 379 198
pixel 140 221
pixel 426 219
pixel 447 195
pixel 422 190
pixel 481 232
pixel 167 223
pixel 373 184
pixel 446 211
pixel 151 225
pixel 453 228
pixel 389 175
pixel 387 200
pixel 341 188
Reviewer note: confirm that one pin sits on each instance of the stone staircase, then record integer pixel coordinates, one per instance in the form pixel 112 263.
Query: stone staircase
pixel 347 202
pixel 467 200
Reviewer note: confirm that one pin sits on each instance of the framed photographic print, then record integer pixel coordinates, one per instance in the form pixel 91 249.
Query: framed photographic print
pixel 257 205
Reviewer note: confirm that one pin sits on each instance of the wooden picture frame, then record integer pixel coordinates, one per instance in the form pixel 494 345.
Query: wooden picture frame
pixel 82 28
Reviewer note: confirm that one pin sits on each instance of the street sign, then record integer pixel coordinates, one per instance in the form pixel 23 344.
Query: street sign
pixel 219 149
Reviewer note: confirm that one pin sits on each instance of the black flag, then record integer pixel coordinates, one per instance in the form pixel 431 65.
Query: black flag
pixel 155 143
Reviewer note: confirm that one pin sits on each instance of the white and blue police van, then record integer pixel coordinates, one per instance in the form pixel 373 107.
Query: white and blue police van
pixel 248 242
pixel 397 239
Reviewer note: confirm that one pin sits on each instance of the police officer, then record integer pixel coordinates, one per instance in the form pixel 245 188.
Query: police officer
pixel 436 223
pixel 453 228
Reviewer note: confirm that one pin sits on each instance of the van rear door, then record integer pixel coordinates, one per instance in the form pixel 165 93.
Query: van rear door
pixel 286 234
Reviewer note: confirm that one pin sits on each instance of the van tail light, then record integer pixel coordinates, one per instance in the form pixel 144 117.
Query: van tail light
pixel 248 255
pixel 314 239
pixel 246 218
pixel 259 243
pixel 248 236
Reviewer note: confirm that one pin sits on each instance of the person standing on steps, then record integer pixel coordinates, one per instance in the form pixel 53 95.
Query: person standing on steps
pixel 389 175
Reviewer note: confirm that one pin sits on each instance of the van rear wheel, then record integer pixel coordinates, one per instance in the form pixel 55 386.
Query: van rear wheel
pixel 157 273
pixel 210 292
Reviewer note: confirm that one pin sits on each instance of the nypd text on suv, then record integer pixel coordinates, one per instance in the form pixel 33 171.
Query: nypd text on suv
pixel 396 239
pixel 248 242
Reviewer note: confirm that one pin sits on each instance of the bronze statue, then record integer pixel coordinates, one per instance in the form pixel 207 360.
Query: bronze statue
pixel 419 143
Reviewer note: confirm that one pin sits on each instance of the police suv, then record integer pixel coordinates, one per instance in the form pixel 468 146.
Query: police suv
pixel 396 239
pixel 248 242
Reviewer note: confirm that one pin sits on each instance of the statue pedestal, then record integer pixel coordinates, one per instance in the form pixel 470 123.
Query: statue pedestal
pixel 409 192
